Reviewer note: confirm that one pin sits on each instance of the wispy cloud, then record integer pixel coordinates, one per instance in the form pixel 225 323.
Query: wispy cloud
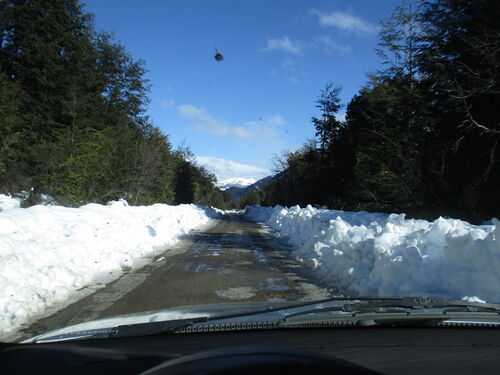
pixel 167 103
pixel 263 129
pixel 330 46
pixel 295 70
pixel 346 22
pixel 206 123
pixel 283 44
pixel 224 168
pixel 267 121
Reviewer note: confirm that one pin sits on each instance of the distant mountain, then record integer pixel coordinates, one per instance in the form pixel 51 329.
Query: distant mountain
pixel 261 184
pixel 237 191
pixel 237 182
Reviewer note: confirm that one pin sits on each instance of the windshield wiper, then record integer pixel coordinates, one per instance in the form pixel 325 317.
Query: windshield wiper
pixel 352 307
pixel 171 326
pixel 419 310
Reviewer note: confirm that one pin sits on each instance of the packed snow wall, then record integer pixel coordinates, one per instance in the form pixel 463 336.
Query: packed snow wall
pixel 377 254
pixel 48 253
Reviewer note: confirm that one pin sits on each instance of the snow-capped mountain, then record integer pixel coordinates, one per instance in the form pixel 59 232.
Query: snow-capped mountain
pixel 237 182
pixel 237 187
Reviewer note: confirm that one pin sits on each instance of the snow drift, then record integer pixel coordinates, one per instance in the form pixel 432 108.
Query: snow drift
pixel 48 253
pixel 7 202
pixel 379 254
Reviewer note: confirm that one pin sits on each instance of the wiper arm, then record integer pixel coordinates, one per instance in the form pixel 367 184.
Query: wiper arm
pixel 404 305
pixel 417 303
pixel 153 328
pixel 171 326
pixel 362 305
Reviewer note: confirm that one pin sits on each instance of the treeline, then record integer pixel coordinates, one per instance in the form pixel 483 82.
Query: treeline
pixel 422 136
pixel 72 115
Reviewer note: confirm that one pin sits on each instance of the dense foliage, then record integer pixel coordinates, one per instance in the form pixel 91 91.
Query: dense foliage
pixel 72 119
pixel 422 135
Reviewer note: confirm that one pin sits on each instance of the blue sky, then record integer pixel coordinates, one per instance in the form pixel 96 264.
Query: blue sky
pixel 237 113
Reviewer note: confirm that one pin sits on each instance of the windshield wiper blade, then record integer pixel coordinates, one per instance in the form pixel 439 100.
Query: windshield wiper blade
pixel 171 326
pixel 351 306
pixel 403 305
pixel 153 328
pixel 416 303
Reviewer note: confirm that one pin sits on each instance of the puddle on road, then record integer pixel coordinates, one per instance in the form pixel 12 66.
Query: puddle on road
pixel 243 292
pixel 277 299
pixel 224 271
pixel 203 267
pixel 261 258
pixel 273 284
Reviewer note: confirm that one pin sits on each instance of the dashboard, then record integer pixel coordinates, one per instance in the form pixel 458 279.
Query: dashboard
pixel 383 350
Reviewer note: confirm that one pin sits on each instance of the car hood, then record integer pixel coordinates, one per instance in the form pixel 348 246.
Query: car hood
pixel 176 313
pixel 364 311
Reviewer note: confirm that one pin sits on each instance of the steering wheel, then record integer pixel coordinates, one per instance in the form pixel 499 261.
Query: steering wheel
pixel 257 360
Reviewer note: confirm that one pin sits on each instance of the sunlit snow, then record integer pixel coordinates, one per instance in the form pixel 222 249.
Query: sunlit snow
pixel 376 254
pixel 239 182
pixel 49 252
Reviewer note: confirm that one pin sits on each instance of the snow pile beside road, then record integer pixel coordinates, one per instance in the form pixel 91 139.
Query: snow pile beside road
pixel 7 202
pixel 49 252
pixel 379 254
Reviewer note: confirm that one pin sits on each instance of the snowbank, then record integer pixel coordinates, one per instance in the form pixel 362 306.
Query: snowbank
pixel 48 253
pixel 7 202
pixel 379 254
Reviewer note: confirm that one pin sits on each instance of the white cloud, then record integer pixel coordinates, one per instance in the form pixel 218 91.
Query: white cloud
pixel 206 123
pixel 224 168
pixel 267 121
pixel 346 22
pixel 264 129
pixel 283 44
pixel 167 103
pixel 275 120
pixel 329 46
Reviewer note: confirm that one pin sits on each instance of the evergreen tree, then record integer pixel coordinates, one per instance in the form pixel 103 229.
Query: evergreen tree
pixel 328 126
pixel 72 114
pixel 9 130
pixel 460 67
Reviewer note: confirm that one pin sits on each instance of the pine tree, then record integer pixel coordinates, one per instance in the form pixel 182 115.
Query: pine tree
pixel 328 126
pixel 460 68
pixel 9 132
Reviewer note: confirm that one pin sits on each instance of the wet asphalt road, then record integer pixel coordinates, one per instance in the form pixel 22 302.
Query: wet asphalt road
pixel 233 260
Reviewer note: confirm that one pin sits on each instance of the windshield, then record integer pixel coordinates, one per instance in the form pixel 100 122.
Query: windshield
pixel 162 154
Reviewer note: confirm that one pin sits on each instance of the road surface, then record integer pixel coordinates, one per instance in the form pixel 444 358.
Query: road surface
pixel 232 260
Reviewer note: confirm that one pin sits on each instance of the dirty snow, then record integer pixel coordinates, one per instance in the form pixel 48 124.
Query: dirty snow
pixel 48 253
pixel 377 254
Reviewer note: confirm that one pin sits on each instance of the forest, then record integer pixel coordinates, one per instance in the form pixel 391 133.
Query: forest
pixel 72 116
pixel 422 135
